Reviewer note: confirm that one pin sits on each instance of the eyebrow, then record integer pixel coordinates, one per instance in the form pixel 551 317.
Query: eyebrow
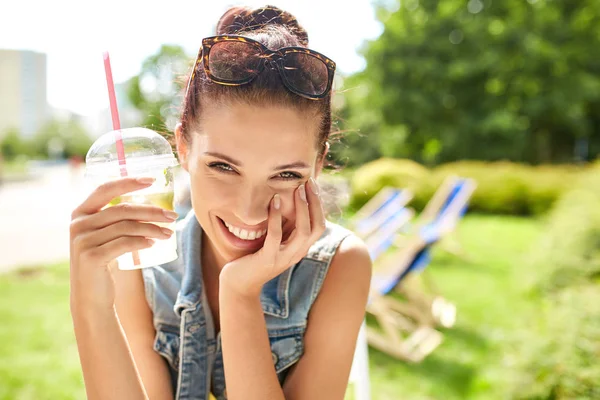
pixel 294 165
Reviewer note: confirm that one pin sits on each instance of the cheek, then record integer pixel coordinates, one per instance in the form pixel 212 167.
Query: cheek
pixel 210 193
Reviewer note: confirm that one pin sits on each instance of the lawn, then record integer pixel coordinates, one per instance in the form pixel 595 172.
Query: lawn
pixel 492 310
pixel 38 354
pixel 38 357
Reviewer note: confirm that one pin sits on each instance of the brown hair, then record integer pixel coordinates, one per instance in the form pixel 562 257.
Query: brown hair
pixel 275 29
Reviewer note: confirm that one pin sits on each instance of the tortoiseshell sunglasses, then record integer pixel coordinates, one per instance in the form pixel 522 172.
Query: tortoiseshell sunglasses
pixel 236 60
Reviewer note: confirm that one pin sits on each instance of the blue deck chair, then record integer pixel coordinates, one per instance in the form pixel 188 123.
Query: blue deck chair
pixel 385 236
pixel 396 317
pixel 403 334
pixel 378 223
pixel 453 207
pixel 437 224
pixel 453 190
pixel 378 209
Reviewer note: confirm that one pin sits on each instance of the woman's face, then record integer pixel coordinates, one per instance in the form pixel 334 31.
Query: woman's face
pixel 244 155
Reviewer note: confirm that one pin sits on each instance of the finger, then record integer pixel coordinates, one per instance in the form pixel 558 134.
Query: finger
pixel 273 239
pixel 317 214
pixel 298 242
pixel 127 211
pixel 109 251
pixel 121 229
pixel 104 193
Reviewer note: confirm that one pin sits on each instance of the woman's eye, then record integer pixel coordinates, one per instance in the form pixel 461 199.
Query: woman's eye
pixel 287 175
pixel 226 168
pixel 221 167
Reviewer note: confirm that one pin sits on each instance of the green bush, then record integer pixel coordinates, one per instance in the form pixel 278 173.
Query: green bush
pixel 558 357
pixel 569 253
pixel 502 187
pixel 563 363
pixel 13 145
pixel 372 177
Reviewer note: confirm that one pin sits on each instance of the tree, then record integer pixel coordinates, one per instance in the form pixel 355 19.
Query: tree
pixel 61 138
pixel 13 145
pixel 157 90
pixel 478 79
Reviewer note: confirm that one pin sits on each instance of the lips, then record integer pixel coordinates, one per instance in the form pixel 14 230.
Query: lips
pixel 238 242
pixel 244 233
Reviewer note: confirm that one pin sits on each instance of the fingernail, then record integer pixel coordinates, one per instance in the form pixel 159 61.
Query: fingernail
pixel 276 202
pixel 313 186
pixel 302 192
pixel 166 231
pixel 172 215
pixel 146 180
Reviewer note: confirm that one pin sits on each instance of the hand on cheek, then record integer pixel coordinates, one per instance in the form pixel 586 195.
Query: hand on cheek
pixel 277 253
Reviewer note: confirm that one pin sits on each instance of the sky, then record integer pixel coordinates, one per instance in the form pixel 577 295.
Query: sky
pixel 75 33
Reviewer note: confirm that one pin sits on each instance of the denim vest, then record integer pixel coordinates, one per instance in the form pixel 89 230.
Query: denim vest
pixel 185 334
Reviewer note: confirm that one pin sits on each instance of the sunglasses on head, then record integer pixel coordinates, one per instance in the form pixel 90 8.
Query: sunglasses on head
pixel 236 60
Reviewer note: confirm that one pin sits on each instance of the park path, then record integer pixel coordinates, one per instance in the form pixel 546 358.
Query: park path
pixel 35 216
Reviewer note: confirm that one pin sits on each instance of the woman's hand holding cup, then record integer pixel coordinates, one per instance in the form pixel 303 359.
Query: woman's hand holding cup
pixel 99 235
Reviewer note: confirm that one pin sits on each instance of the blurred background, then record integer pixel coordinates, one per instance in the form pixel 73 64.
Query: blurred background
pixel 504 92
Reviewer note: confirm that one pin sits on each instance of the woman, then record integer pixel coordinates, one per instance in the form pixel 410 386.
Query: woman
pixel 266 298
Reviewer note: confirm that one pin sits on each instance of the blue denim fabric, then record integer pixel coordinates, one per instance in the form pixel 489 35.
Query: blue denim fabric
pixel 185 334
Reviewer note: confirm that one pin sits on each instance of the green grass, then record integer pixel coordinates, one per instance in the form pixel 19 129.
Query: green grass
pixel 38 356
pixel 492 310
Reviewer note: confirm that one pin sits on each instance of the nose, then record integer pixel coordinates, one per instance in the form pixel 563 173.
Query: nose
pixel 253 204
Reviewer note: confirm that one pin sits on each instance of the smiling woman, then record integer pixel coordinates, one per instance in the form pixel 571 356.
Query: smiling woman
pixel 245 154
pixel 267 297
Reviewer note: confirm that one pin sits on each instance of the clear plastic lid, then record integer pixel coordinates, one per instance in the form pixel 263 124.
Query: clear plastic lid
pixel 145 150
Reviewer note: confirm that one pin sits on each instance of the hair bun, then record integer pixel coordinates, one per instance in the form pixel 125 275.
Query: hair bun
pixel 244 19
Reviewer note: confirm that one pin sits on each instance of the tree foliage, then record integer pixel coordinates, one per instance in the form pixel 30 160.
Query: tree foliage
pixel 479 79
pixel 58 138
pixel 13 145
pixel 156 91
pixel 55 139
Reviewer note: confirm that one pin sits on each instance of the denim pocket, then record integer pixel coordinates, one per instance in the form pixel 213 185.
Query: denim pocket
pixel 166 343
pixel 286 349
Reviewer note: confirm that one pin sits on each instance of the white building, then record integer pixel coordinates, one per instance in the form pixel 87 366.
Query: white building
pixel 23 103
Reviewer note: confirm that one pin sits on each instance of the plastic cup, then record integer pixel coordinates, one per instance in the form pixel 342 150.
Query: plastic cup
pixel 147 154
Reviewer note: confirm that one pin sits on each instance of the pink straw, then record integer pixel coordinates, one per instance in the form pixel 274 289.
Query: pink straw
pixel 114 112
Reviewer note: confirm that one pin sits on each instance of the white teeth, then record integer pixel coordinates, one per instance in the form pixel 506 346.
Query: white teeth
pixel 245 234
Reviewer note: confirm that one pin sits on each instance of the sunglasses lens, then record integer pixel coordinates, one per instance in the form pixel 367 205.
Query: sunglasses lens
pixel 306 73
pixel 234 61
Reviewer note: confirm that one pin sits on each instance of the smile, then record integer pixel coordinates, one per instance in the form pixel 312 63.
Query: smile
pixel 245 234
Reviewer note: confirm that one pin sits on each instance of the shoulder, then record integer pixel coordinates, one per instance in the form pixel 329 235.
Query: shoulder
pixel 353 256
pixel 346 263
pixel 338 255
pixel 351 268
pixel 342 249
pixel 327 245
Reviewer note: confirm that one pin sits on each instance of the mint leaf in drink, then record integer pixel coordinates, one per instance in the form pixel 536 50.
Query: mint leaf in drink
pixel 168 176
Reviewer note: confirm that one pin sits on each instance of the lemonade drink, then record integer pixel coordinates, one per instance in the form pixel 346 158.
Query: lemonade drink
pixel 147 154
pixel 163 250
